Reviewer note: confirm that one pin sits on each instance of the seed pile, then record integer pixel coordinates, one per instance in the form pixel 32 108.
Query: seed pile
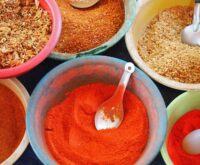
pixel 84 29
pixel 24 30
pixel 161 47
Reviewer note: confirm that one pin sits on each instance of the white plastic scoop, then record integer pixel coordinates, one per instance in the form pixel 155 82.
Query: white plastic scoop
pixel 83 3
pixel 191 34
pixel 191 143
pixel 110 113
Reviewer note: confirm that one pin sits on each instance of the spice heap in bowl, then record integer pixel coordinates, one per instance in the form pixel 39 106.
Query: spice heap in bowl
pixel 94 29
pixel 65 130
pixel 27 31
pixel 157 46
pixel 162 50
pixel 79 128
pixel 184 118
pixel 13 103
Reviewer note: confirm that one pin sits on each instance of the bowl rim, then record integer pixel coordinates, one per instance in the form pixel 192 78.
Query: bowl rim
pixel 164 151
pixel 104 46
pixel 44 53
pixel 132 49
pixel 24 142
pixel 46 80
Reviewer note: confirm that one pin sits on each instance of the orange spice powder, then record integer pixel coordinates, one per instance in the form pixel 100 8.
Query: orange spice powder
pixel 12 122
pixel 72 138
pixel 88 28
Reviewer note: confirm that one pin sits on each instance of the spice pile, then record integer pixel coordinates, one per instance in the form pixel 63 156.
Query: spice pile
pixel 88 28
pixel 24 31
pixel 186 124
pixel 12 122
pixel 161 47
pixel 72 138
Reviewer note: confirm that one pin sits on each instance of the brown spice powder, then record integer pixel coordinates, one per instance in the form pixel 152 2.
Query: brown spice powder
pixel 24 30
pixel 88 28
pixel 162 50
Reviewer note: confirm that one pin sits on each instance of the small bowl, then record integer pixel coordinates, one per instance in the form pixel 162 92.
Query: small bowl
pixel 130 8
pixel 177 108
pixel 146 11
pixel 52 8
pixel 22 94
pixel 85 70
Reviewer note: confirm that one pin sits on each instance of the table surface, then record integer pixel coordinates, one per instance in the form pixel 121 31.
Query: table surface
pixel 31 79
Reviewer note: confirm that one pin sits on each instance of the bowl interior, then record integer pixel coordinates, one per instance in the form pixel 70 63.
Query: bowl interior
pixel 181 105
pixel 55 15
pixel 22 94
pixel 74 73
pixel 146 11
pixel 130 8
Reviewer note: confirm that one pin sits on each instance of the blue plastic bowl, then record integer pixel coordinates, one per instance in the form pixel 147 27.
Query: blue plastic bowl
pixel 130 10
pixel 84 70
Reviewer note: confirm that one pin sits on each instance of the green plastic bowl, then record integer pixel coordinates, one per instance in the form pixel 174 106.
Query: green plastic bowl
pixel 130 8
pixel 177 108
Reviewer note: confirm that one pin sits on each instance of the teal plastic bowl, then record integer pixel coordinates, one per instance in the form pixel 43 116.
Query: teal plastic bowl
pixel 86 70
pixel 130 10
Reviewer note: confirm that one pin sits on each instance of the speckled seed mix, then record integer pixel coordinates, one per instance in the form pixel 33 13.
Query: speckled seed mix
pixel 24 30
pixel 88 28
pixel 161 47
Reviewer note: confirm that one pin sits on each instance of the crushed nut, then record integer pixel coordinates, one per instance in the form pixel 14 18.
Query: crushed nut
pixel 24 30
pixel 162 50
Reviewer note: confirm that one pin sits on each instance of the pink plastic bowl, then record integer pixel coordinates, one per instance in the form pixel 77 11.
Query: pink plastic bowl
pixel 52 7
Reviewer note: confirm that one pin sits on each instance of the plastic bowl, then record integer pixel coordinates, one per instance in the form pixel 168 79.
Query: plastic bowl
pixel 52 8
pixel 74 73
pixel 177 108
pixel 21 92
pixel 146 11
pixel 130 8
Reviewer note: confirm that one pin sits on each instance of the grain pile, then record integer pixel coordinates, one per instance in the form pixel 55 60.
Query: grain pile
pixel 24 30
pixel 161 47
pixel 88 28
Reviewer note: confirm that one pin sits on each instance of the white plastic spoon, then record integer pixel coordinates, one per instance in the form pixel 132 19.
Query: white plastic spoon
pixel 191 34
pixel 110 113
pixel 191 142
pixel 83 3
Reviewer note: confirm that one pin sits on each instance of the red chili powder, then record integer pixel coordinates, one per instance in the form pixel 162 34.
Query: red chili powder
pixel 72 138
pixel 186 124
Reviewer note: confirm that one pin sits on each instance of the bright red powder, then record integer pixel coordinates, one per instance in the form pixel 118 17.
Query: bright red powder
pixel 73 139
pixel 186 124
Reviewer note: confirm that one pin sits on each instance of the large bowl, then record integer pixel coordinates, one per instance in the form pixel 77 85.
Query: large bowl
pixel 84 70
pixel 146 11
pixel 52 8
pixel 22 94
pixel 130 8
pixel 177 108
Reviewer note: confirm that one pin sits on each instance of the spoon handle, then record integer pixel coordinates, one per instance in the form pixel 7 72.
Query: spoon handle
pixel 196 16
pixel 128 70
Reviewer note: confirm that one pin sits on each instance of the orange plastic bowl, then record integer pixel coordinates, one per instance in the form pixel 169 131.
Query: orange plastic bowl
pixel 52 7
